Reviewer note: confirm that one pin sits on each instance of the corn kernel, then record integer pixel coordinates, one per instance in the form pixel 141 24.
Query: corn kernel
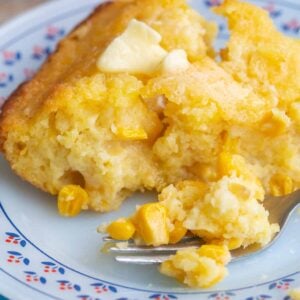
pixel 177 233
pixel 130 134
pixel 231 244
pixel 275 123
pixel 121 229
pixel 228 163
pixel 218 253
pixel 234 243
pixel 238 166
pixel 151 224
pixel 71 199
pixel 281 185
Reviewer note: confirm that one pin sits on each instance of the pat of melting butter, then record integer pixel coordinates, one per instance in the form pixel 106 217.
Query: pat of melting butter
pixel 136 50
pixel 175 61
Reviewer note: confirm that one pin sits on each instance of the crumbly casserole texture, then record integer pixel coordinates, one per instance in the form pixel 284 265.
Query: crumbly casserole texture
pixel 213 135
pixel 73 124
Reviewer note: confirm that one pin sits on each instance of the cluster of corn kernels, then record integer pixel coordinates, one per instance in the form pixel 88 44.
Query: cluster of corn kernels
pixel 150 223
pixel 71 200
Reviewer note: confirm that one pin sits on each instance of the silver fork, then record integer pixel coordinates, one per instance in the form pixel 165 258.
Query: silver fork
pixel 280 210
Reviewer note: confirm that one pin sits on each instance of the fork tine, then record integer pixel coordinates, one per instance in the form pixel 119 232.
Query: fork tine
pixel 135 249
pixel 184 239
pixel 142 260
pixel 145 255
pixel 108 239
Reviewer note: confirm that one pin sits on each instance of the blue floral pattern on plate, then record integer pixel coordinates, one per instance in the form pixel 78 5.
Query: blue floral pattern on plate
pixel 30 266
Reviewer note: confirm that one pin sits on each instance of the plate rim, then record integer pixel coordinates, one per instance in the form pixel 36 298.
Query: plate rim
pixel 2 208
pixel 32 15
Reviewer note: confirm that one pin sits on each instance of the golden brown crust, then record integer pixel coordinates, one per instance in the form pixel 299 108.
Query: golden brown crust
pixel 13 110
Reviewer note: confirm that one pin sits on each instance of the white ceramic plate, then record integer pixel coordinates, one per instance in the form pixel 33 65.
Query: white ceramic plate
pixel 44 256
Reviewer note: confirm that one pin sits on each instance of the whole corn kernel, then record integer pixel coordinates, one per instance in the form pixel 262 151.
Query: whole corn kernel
pixel 228 163
pixel 231 244
pixel 121 229
pixel 218 253
pixel 71 200
pixel 151 224
pixel 281 185
pixel 130 134
pixel 177 233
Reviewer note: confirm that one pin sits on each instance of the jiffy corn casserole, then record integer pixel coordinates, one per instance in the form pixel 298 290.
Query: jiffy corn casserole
pixel 136 98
